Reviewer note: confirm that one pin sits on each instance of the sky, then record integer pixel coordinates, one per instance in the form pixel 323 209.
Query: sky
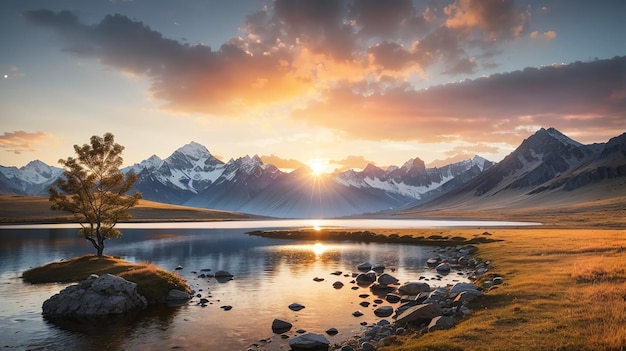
pixel 332 83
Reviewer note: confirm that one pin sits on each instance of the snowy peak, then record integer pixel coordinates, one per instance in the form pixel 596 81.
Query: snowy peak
pixel 150 164
pixel 562 138
pixel 194 151
pixel 38 172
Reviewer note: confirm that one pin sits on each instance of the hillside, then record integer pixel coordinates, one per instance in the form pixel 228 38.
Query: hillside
pixel 35 209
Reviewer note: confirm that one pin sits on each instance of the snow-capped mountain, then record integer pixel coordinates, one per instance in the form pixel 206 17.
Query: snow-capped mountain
pixel 545 161
pixel 413 179
pixel 34 179
pixel 240 181
pixel 186 172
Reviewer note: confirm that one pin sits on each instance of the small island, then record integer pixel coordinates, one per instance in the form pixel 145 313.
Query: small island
pixel 153 284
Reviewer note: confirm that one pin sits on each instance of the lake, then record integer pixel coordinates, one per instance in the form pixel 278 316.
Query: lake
pixel 269 275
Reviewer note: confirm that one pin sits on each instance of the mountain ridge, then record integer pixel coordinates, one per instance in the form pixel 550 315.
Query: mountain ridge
pixel 546 161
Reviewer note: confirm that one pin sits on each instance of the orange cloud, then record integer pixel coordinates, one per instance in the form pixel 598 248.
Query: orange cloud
pixel 351 162
pixel 20 141
pixel 549 35
pixel 499 18
pixel 282 163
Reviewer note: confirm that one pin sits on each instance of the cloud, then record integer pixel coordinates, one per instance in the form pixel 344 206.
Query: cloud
pixel 282 163
pixel 350 162
pixel 549 35
pixel 291 50
pixel 472 149
pixel 499 18
pixel 577 95
pixel 20 141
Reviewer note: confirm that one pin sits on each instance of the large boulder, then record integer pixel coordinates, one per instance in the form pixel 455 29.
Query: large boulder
pixel 309 342
pixel 460 287
pixel 413 288
pixel 441 323
pixel 420 312
pixel 94 297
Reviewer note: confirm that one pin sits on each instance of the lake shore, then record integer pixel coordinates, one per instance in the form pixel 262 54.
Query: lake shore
pixel 564 282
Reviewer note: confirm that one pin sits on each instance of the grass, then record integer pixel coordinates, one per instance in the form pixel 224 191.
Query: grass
pixel 563 290
pixel 152 282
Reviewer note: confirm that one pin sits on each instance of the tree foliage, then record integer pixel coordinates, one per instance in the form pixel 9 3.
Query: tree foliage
pixel 94 189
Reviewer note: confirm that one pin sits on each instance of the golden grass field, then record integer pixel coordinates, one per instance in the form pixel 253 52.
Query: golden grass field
pixel 564 282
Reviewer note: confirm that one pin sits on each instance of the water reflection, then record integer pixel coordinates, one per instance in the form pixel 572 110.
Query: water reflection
pixel 269 275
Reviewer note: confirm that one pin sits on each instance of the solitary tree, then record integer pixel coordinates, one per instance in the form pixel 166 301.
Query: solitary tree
pixel 94 190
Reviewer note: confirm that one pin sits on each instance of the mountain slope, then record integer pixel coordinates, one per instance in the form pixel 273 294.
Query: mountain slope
pixel 547 167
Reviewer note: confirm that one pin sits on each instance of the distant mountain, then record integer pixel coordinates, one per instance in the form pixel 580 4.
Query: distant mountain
pixel 33 179
pixel 185 173
pixel 548 162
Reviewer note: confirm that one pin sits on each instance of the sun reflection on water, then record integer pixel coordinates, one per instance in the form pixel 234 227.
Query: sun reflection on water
pixel 318 249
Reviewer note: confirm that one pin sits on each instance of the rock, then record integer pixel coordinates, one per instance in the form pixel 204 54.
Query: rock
pixel 383 311
pixel 459 287
pixel 497 280
pixel 366 278
pixel 419 312
pixel 441 323
pixel 96 296
pixel 332 331
pixel 296 306
pixel 443 267
pixel 365 266
pixel 387 279
pixel 222 274
pixel 466 296
pixel 337 273
pixel 177 295
pixel 380 289
pixel 318 279
pixel 393 298
pixel 413 288
pixel 280 326
pixel 309 341
pixel 337 285
pixel 367 346
pixel 432 262
pixel 226 307
pixel 178 268
pixel 364 304
pixel 379 268
pixel 346 348
pixel 437 295
pixel 357 313
pixel 487 284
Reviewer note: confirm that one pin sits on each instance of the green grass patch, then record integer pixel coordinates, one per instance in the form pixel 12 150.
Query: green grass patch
pixel 152 282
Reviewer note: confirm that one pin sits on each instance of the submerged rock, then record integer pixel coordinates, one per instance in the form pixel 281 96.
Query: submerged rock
pixel 280 326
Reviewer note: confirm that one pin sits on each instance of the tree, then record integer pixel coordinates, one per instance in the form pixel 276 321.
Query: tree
pixel 94 190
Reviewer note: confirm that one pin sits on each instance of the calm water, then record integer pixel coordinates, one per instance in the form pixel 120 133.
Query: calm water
pixel 269 274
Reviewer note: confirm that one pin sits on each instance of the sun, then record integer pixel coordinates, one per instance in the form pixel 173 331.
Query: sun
pixel 317 166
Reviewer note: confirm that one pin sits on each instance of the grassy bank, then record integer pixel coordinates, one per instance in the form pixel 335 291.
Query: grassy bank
pixel 152 282
pixel 564 290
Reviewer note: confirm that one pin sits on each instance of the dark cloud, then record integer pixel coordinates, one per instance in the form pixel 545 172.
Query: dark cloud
pixel 491 109
pixel 20 141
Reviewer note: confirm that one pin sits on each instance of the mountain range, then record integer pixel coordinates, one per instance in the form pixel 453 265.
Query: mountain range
pixel 545 162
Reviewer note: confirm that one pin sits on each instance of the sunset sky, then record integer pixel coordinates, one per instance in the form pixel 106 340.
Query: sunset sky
pixel 341 83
